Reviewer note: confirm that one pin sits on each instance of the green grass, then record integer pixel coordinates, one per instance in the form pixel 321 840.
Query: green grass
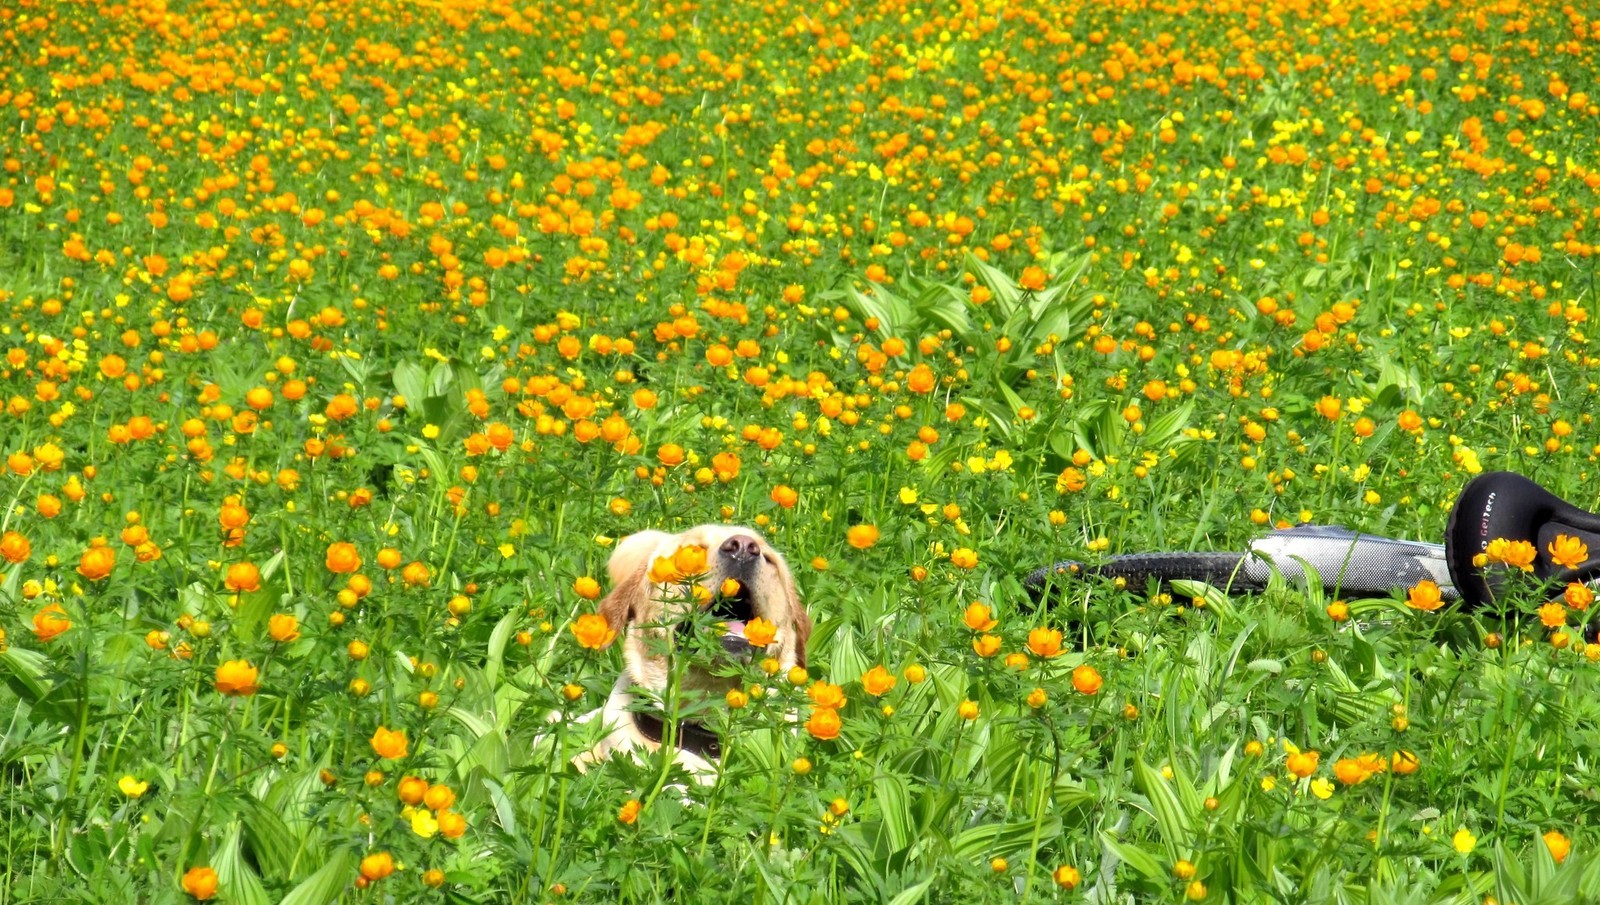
pixel 480 288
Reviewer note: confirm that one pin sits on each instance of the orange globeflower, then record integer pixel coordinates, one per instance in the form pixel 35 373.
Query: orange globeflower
pixel 1087 679
pixel 1518 554
pixel 243 577
pixel 785 496
pixel 877 681
pixel 964 558
pixel 862 537
pixel 97 563
pixel 670 454
pixel 1578 596
pixel 1568 552
pixel 1044 642
pixel 412 789
pixel 593 631
pixel 824 723
pixel 342 407
pixel 343 558
pixel 283 628
pixel 825 695
pixel 376 866
pixel 415 575
pixel 629 812
pixel 237 677
pixel 390 744
pixel 1425 596
pixel 587 588
pixel 1560 846
pixel 200 882
pixel 14 547
pixel 759 632
pixel 1302 763
pixel 50 622
pixel 978 618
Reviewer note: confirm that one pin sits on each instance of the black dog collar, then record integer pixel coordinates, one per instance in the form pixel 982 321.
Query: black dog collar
pixel 691 736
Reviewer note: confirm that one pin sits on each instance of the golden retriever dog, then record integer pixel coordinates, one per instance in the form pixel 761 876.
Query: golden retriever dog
pixel 744 578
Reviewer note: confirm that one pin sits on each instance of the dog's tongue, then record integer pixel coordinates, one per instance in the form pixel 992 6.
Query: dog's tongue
pixel 735 628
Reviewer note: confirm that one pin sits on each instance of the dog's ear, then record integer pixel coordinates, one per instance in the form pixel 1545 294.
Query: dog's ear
pixel 802 621
pixel 627 567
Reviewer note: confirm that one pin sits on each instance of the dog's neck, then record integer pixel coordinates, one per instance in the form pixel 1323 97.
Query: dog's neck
pixel 690 735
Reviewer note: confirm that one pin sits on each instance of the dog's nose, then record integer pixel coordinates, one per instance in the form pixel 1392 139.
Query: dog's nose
pixel 740 548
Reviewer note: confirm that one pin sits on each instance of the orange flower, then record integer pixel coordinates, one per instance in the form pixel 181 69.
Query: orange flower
pixel 1404 763
pixel 986 645
pixel 97 563
pixel 412 789
pixel 629 812
pixel 877 681
pixel 593 631
pixel 342 558
pixel 977 617
pixel 1033 278
pixel 862 537
pixel 670 454
pixel 376 866
pixel 1087 679
pixel 1044 642
pixel 1568 552
pixel 1578 596
pixel 1350 771
pixel 243 577
pixel 1560 846
pixel 1303 763
pixel 1329 407
pixel 390 744
pixel 785 496
pixel 200 882
pixel 1518 554
pixel 1425 596
pixel 50 622
pixel 824 695
pixel 415 575
pixel 237 677
pixel 283 628
pixel 14 547
pixel 921 380
pixel 759 632
pixel 824 723
pixel 964 558
pixel 587 588
pixel 689 560
pixel 341 407
pixel 1553 615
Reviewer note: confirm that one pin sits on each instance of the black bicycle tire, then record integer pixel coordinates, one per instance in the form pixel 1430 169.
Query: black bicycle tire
pixel 1220 569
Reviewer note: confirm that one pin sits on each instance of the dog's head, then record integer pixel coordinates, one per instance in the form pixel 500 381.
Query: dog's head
pixel 743 578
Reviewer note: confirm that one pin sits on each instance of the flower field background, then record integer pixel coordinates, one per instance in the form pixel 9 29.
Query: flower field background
pixel 343 339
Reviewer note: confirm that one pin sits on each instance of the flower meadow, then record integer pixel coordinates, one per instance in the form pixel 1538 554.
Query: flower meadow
pixel 342 341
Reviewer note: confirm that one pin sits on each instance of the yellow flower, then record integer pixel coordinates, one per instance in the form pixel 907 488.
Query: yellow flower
pixel 132 787
pixel 1463 841
pixel 1322 788
pixel 968 710
pixel 1568 552
pixel 423 824
pixel 1067 877
pixel 283 628
pixel 964 558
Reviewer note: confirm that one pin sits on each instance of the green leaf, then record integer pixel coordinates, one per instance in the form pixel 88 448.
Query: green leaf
pixel 239 883
pixel 1176 828
pixel 497 648
pixel 1134 856
pixel 24 672
pixel 324 886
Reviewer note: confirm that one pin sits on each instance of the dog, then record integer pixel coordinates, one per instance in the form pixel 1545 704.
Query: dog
pixel 744 578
